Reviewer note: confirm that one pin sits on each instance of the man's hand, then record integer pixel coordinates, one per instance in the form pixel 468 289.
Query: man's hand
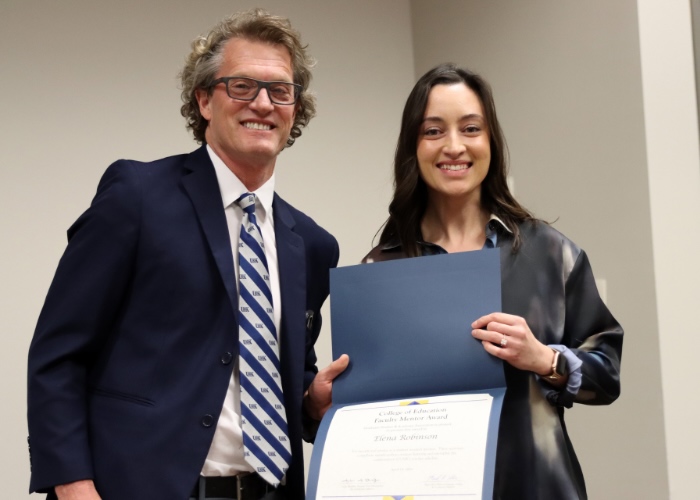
pixel 317 399
pixel 79 490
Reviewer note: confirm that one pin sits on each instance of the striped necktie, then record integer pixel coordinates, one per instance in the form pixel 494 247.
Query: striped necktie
pixel 263 417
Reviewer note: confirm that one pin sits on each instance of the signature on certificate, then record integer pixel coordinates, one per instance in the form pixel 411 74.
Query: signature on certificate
pixel 361 480
pixel 441 478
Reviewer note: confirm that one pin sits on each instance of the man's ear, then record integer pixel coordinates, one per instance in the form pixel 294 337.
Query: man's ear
pixel 204 99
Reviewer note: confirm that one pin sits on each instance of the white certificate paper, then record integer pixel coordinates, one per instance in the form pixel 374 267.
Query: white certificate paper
pixel 430 448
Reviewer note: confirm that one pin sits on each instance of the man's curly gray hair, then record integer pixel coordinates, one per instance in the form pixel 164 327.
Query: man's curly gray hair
pixel 203 63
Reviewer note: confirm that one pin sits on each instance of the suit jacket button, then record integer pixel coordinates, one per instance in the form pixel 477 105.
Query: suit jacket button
pixel 207 420
pixel 226 358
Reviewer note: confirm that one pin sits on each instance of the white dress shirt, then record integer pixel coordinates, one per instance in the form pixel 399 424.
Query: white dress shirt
pixel 225 456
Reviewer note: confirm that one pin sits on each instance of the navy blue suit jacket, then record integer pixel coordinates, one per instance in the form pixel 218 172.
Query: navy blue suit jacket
pixel 137 339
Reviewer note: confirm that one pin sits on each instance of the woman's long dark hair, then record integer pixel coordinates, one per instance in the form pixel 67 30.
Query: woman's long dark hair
pixel 410 199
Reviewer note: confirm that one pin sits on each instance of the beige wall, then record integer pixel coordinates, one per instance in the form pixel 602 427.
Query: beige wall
pixel 674 181
pixel 86 82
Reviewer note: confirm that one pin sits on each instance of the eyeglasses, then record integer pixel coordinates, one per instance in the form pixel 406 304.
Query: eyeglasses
pixel 247 89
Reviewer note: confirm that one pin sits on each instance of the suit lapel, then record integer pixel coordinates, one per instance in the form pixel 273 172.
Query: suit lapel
pixel 203 189
pixel 292 271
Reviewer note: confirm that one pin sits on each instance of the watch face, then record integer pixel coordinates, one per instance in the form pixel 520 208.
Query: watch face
pixel 559 365
pixel 562 365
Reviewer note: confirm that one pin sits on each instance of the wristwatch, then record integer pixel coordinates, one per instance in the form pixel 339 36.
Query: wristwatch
pixel 560 366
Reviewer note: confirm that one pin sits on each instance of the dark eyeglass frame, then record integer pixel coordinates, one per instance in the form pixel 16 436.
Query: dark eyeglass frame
pixel 261 84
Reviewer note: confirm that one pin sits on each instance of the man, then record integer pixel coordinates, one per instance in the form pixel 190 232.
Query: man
pixel 134 383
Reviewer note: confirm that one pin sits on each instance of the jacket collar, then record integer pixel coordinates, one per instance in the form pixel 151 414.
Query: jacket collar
pixel 494 224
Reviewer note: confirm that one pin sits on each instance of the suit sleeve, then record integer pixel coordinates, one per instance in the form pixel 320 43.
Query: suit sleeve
pixel 594 336
pixel 82 305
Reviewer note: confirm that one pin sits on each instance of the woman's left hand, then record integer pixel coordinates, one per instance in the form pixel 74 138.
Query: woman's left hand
pixel 509 338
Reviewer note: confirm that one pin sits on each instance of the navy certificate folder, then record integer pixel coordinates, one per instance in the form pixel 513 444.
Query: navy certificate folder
pixel 406 325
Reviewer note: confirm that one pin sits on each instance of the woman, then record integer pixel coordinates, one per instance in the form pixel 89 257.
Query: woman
pixel 558 341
